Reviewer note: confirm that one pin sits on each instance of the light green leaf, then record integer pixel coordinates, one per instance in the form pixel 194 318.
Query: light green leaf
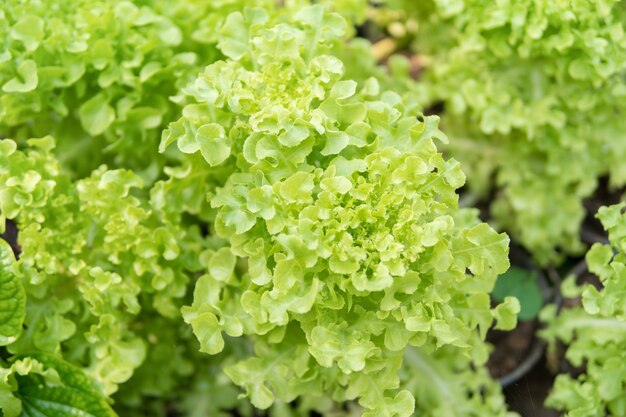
pixel 402 405
pixel 214 146
pixel 483 250
pixel 521 284
pixel 251 375
pixel 343 89
pixel 234 36
pixel 7 147
pixel 261 202
pixel 26 79
pixel 335 143
pixel 297 187
pixel 96 115
pixel 206 328
pixel 294 135
pixel 29 30
pixel 222 264
pixel 506 314
pixel 233 39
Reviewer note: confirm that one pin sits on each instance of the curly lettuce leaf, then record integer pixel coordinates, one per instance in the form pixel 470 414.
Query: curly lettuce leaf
pixel 342 238
pixel 595 333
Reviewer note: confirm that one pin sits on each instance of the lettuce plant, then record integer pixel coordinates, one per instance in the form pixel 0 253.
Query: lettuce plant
pixel 531 92
pixel 105 277
pixel 343 240
pixel 595 333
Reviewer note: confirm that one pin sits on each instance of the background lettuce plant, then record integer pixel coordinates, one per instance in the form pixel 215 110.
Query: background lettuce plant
pixel 105 277
pixel 100 75
pixel 532 94
pixel 595 331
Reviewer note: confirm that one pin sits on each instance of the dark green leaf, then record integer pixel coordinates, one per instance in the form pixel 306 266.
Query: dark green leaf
pixel 522 284
pixel 74 396
pixel 12 298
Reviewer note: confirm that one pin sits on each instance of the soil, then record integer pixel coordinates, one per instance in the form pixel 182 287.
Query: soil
pixel 527 395
pixel 510 348
pixel 10 236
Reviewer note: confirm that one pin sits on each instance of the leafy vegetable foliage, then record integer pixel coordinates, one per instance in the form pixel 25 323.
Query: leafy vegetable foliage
pixel 595 331
pixel 39 385
pixel 344 240
pixel 104 275
pixel 431 376
pixel 532 94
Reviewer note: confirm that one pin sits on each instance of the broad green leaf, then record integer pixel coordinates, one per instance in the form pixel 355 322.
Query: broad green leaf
pixel 12 298
pixel 294 136
pixel 402 405
pixel 335 143
pixel 234 35
pixel 250 374
pixel 66 392
pixel 261 202
pixel 483 250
